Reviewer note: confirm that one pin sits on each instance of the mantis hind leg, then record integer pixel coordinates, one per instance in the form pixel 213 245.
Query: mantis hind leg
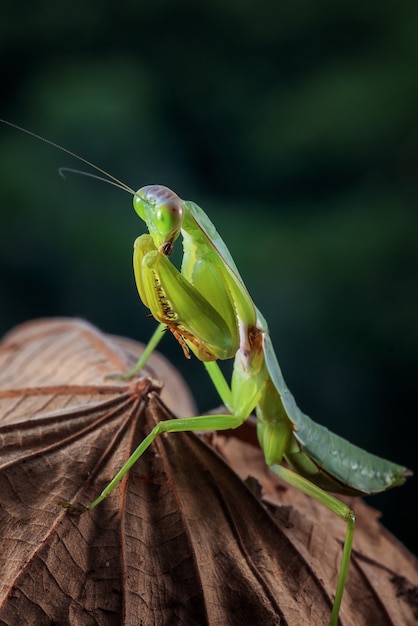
pixel 336 506
pixel 201 422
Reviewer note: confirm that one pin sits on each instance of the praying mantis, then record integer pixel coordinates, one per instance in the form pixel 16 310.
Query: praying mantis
pixel 208 309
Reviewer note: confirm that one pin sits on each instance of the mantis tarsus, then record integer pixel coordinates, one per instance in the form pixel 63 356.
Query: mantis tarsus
pixel 210 312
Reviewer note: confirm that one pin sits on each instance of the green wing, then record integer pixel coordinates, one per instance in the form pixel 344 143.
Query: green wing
pixel 353 469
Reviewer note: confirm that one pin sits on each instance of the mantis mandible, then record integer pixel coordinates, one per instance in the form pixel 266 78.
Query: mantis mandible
pixel 209 311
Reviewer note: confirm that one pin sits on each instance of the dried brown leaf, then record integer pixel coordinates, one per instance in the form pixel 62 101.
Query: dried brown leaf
pixel 182 540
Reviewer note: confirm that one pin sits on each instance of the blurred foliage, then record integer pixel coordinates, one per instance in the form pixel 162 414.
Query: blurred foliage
pixel 294 125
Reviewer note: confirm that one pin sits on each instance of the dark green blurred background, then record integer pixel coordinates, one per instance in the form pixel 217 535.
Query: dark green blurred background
pixel 294 125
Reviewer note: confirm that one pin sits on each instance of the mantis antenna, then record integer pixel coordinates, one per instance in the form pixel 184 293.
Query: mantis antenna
pixel 107 178
pixel 108 181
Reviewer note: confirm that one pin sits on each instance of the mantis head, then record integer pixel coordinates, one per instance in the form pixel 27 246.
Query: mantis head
pixel 162 211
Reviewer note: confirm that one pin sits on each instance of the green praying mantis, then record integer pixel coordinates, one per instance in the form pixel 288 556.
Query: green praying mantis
pixel 208 309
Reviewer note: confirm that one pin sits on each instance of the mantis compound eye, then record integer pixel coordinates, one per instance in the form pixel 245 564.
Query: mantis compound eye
pixel 162 210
